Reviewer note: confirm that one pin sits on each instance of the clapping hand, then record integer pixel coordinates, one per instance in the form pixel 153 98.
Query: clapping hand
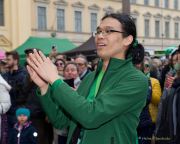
pixel 41 69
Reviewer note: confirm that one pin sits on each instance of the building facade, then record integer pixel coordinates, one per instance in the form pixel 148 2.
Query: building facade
pixel 157 21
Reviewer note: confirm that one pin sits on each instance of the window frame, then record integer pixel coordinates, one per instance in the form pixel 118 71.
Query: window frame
pixel 76 30
pixel 63 23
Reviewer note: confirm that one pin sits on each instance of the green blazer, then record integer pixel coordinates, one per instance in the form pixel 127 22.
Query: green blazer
pixel 113 116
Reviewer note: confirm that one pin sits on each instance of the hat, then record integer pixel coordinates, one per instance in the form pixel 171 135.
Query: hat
pixel 23 111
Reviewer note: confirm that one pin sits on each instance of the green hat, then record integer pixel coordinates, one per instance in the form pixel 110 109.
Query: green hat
pixel 23 111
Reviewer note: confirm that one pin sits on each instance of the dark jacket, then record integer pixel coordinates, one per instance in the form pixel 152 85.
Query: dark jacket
pixel 27 135
pixel 32 101
pixel 168 122
pixel 112 117
pixel 16 80
pixel 145 118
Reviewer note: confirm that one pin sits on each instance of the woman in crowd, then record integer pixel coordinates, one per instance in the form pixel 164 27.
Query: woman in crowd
pixel 5 104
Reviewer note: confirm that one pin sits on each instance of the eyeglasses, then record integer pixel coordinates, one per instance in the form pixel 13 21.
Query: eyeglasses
pixel 79 64
pixel 105 32
pixel 59 64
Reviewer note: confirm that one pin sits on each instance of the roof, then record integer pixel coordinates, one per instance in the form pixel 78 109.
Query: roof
pixel 45 45
pixel 88 46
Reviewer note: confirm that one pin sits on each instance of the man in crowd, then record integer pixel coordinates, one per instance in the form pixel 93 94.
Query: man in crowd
pixel 15 77
pixel 82 64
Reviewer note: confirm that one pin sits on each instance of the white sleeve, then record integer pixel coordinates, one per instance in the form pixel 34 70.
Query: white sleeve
pixel 5 101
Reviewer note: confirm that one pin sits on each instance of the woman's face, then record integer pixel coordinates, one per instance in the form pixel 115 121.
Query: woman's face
pixel 71 72
pixel 60 65
pixel 108 42
pixel 146 67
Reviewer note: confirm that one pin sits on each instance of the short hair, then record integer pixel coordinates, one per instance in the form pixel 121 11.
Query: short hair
pixel 14 54
pixel 83 57
pixel 64 56
pixel 73 63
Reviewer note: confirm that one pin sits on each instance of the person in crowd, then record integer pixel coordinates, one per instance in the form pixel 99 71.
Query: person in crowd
pixel 156 68
pixel 5 104
pixel 168 119
pixel 15 77
pixel 95 63
pixel 23 131
pixel 53 53
pixel 38 116
pixel 60 63
pixel 61 56
pixel 168 72
pixel 106 107
pixel 3 68
pixel 82 64
pixel 71 75
pixel 156 94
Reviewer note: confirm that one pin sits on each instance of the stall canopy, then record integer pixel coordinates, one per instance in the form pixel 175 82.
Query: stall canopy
pixel 45 45
pixel 88 48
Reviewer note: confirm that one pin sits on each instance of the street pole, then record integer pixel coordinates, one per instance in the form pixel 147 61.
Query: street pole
pixel 126 6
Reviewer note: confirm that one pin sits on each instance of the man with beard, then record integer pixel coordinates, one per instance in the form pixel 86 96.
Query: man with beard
pixel 15 77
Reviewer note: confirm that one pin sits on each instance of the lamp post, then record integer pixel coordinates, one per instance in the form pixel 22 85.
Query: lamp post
pixel 126 6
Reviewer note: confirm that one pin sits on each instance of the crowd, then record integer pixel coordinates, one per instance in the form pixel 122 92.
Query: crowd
pixel 25 118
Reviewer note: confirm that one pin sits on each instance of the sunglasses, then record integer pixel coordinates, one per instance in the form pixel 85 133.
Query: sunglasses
pixel 59 64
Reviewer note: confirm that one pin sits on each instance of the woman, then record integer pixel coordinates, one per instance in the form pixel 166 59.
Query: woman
pixel 106 107
pixel 71 75
pixel 60 63
pixel 5 104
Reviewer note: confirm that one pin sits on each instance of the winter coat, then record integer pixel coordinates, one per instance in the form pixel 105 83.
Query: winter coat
pixel 168 119
pixel 5 102
pixel 16 80
pixel 156 96
pixel 112 117
pixel 27 135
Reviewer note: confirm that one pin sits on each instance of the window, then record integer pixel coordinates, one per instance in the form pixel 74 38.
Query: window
pixel 42 18
pixel 146 2
pixel 146 28
pixel 157 28
pixel 166 3
pixel 133 1
pixel 176 4
pixel 157 3
pixel 93 21
pixel 60 20
pixel 1 12
pixel 167 29
pixel 176 30
pixel 78 21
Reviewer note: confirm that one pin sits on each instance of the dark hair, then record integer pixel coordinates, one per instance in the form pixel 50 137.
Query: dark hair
pixel 129 28
pixel 14 54
pixel 73 63
pixel 83 57
pixel 59 60
pixel 64 56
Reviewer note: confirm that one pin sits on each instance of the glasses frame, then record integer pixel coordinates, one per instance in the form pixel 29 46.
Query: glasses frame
pixel 106 32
